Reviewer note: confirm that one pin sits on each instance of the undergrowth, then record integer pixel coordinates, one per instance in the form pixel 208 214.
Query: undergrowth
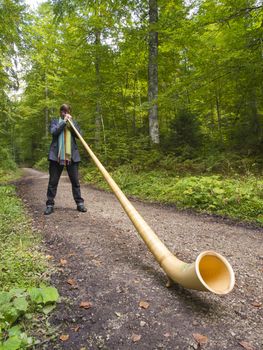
pixel 235 197
pixel 8 167
pixel 18 260
pixel 24 297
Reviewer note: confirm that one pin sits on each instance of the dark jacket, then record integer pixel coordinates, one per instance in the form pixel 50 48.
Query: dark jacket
pixel 56 128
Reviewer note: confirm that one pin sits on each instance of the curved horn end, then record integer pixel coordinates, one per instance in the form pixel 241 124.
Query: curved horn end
pixel 215 272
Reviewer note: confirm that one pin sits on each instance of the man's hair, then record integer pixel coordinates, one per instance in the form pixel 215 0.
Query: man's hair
pixel 65 108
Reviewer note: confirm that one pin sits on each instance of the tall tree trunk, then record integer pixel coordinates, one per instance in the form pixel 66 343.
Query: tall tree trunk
pixel 99 122
pixel 153 72
pixel 46 108
pixel 98 84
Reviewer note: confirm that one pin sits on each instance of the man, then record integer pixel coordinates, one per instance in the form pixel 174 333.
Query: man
pixel 63 152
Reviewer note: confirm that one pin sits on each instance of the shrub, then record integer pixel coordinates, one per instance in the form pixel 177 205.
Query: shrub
pixel 240 198
pixel 6 161
pixel 42 164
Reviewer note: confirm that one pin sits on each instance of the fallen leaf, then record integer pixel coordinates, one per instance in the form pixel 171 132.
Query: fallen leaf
pixel 96 262
pixel 246 345
pixel 200 339
pixel 256 304
pixel 63 262
pixel 144 304
pixel 49 257
pixel 72 282
pixel 76 329
pixel 85 304
pixel 64 337
pixel 167 334
pixel 135 337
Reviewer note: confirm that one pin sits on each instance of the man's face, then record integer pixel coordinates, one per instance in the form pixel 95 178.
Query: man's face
pixel 62 114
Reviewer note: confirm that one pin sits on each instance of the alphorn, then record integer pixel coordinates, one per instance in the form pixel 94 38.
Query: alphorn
pixel 210 271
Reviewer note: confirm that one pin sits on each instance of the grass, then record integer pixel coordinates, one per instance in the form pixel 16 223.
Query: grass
pixel 21 263
pixel 25 299
pixel 239 197
pixel 7 176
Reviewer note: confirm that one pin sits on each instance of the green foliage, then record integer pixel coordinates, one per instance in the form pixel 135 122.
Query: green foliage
pixel 17 304
pixel 238 198
pixel 12 15
pixel 6 161
pixel 42 164
pixel 95 56
pixel 185 132
pixel 21 271
pixel 227 164
pixel 8 168
pixel 20 264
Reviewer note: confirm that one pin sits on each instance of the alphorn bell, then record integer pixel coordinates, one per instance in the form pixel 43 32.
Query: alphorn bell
pixel 210 272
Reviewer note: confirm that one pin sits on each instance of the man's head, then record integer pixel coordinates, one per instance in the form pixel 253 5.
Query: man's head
pixel 64 109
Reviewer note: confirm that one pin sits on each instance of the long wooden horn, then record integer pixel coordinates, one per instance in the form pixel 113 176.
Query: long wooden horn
pixel 210 272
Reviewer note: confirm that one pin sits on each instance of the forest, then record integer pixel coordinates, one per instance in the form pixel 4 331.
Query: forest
pixel 164 89
pixel 168 94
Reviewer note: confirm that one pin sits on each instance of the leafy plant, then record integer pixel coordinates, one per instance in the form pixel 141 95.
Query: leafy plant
pixel 239 197
pixel 20 303
pixel 23 294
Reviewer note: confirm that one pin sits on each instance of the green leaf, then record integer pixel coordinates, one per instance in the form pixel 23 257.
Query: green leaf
pixel 49 295
pixel 21 304
pixel 11 315
pixel 16 292
pixel 218 190
pixel 5 297
pixel 13 343
pixel 35 295
pixel 14 331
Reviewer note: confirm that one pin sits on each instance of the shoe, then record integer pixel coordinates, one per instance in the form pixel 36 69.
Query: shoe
pixel 81 208
pixel 49 210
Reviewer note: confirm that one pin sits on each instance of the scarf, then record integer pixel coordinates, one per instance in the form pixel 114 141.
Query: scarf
pixel 64 146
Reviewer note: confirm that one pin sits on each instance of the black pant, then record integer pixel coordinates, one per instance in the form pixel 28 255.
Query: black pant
pixel 55 170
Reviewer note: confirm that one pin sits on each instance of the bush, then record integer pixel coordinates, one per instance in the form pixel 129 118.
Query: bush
pixel 186 133
pixel 6 161
pixel 240 198
pixel 18 261
pixel 21 271
pixel 42 164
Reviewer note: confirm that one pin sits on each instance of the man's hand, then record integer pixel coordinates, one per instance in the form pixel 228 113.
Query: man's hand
pixel 67 117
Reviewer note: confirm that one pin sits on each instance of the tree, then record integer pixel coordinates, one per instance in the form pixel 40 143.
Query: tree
pixel 129 69
pixel 153 72
pixel 12 16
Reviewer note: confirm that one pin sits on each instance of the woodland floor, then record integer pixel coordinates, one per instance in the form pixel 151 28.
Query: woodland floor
pixel 108 265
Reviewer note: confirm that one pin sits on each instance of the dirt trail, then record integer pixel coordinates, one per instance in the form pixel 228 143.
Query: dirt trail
pixel 114 271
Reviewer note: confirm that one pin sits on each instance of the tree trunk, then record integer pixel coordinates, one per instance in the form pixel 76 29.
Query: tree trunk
pixel 46 108
pixel 46 117
pixel 153 73
pixel 98 116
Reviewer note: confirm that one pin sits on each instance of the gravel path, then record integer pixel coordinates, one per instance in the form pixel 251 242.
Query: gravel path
pixel 107 264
